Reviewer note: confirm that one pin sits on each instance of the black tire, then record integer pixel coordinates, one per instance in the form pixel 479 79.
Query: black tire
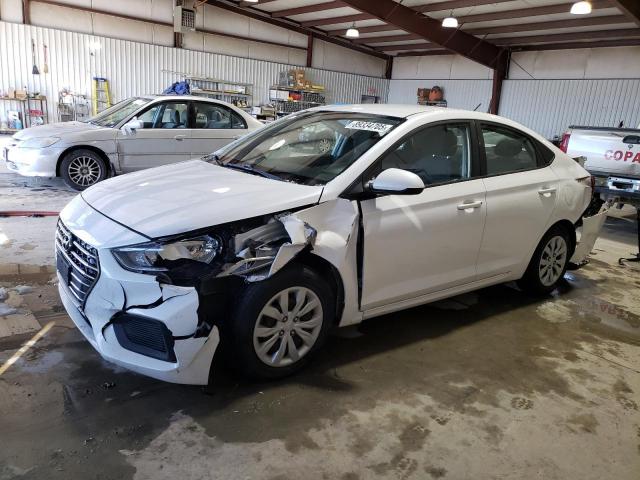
pixel 534 280
pixel 238 333
pixel 82 168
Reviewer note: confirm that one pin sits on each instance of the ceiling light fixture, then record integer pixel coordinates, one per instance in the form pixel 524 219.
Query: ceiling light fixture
pixel 450 21
pixel 581 8
pixel 353 31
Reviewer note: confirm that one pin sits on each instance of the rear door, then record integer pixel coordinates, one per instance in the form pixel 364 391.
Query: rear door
pixel 521 197
pixel 163 139
pixel 215 125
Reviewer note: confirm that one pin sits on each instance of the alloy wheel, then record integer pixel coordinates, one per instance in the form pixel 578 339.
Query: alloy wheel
pixel 288 326
pixel 84 171
pixel 552 260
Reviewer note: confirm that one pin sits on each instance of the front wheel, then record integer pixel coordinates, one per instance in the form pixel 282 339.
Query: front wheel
pixel 82 168
pixel 280 323
pixel 549 262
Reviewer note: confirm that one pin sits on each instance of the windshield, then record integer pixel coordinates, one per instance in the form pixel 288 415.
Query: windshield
pixel 114 115
pixel 311 148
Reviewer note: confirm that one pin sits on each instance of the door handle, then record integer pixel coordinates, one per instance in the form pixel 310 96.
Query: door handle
pixel 547 191
pixel 180 137
pixel 470 206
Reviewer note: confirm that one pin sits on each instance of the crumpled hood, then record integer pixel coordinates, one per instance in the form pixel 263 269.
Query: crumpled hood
pixel 60 129
pixel 190 195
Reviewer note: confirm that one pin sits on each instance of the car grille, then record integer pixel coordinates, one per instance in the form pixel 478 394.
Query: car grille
pixel 77 262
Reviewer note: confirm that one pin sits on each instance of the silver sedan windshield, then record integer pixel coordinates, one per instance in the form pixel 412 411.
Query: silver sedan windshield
pixel 115 114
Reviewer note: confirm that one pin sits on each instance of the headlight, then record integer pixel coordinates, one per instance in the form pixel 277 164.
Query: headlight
pixel 38 142
pixel 153 256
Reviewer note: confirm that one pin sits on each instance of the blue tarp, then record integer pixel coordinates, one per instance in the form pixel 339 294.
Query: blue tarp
pixel 178 88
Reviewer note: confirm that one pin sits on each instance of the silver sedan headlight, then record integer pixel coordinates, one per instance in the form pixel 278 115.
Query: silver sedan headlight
pixel 152 256
pixel 41 142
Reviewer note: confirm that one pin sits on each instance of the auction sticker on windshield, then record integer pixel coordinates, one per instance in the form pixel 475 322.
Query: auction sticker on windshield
pixel 381 128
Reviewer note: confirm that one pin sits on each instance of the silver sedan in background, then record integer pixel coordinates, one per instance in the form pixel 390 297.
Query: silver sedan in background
pixel 137 133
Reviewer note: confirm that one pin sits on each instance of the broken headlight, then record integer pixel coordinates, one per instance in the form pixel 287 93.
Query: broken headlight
pixel 158 257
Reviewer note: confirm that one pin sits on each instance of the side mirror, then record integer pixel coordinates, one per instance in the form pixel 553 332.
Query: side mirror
pixel 397 182
pixel 131 126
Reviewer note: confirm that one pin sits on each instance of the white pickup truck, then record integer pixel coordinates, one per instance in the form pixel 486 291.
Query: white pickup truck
pixel 612 157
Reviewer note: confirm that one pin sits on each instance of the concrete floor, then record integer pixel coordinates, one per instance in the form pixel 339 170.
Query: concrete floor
pixel 486 385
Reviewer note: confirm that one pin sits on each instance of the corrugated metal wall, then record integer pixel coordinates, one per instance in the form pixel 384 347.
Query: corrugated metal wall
pixel 464 94
pixel 136 68
pixel 550 106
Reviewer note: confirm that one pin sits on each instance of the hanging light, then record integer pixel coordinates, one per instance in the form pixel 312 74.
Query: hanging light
pixel 353 32
pixel 450 21
pixel 581 8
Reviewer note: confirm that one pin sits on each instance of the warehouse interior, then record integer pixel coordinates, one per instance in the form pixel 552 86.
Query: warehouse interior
pixel 491 383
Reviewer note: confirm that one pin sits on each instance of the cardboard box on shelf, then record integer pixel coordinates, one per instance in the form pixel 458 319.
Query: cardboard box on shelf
pixel 21 94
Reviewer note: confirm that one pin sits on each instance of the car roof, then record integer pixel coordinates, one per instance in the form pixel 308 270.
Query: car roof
pixel 182 97
pixel 404 111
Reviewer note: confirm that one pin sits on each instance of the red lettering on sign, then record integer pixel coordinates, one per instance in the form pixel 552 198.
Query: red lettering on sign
pixel 618 155
pixel 636 159
pixel 627 155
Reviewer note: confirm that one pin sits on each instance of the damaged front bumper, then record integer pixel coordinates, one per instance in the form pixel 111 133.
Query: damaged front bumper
pixel 132 319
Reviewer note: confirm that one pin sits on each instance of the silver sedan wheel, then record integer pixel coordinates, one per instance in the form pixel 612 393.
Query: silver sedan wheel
pixel 553 260
pixel 288 326
pixel 84 171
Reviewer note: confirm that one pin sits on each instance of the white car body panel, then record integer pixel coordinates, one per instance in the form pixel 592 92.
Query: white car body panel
pixel 206 195
pixel 417 248
pixel 430 219
pixel 605 150
pixel 147 148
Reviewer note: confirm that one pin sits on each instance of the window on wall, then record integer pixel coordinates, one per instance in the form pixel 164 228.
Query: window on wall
pixel 213 116
pixel 437 154
pixel 165 115
pixel 507 150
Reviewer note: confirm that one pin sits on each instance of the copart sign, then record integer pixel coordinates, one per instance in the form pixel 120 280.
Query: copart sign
pixel 627 156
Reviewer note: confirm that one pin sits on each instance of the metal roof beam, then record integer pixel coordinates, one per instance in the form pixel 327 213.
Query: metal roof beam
pixel 457 41
pixel 318 7
pixel 291 25
pixel 631 8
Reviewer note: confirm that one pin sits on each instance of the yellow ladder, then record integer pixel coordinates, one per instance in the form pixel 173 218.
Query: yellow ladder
pixel 101 97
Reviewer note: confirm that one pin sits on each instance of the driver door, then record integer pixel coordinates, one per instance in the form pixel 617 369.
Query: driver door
pixel 419 244
pixel 164 138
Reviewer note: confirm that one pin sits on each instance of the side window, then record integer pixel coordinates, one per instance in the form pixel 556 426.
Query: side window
pixel 213 116
pixel 165 115
pixel 437 154
pixel 507 151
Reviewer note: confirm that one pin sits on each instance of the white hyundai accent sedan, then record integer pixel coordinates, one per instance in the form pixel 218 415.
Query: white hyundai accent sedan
pixel 265 245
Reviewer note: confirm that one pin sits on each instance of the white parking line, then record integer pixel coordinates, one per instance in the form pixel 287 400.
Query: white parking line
pixel 14 358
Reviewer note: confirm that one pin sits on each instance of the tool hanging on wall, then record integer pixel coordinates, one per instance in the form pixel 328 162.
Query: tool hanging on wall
pixel 45 67
pixel 35 70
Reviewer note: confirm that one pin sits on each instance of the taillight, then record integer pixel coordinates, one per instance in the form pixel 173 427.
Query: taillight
pixel 564 144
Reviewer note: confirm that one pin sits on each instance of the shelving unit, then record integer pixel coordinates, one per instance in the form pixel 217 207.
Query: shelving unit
pixel 29 108
pixel 237 93
pixel 441 103
pixel 72 107
pixel 285 104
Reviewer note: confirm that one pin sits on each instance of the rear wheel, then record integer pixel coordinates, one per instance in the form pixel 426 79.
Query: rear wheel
pixel 549 262
pixel 280 323
pixel 82 168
